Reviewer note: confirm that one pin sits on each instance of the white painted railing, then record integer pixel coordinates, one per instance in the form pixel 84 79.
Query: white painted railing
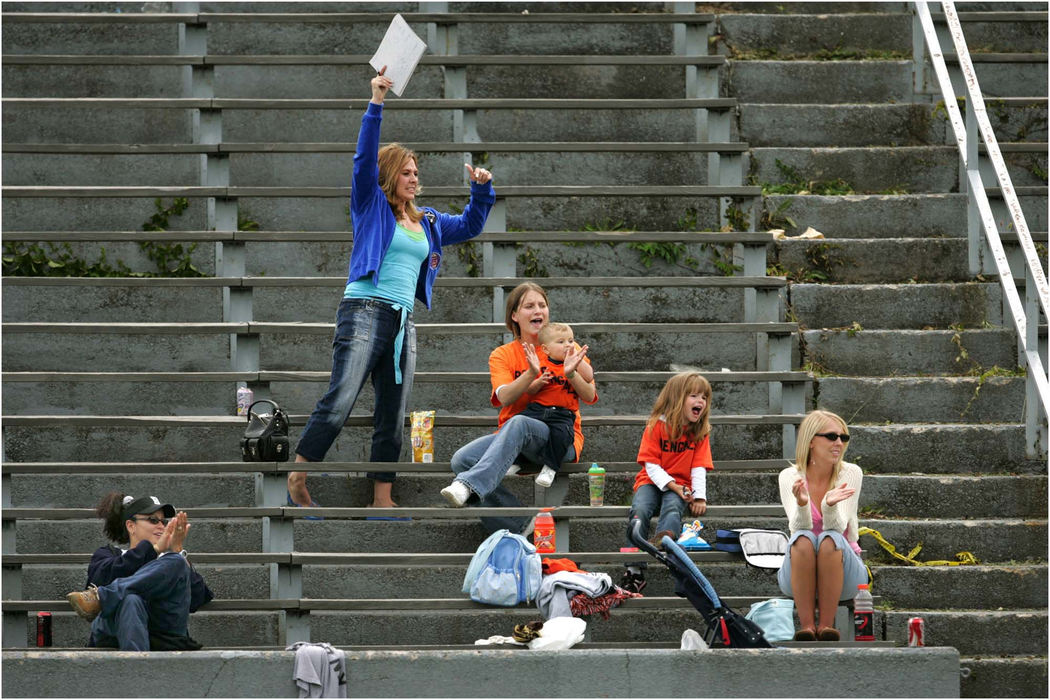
pixel 1025 315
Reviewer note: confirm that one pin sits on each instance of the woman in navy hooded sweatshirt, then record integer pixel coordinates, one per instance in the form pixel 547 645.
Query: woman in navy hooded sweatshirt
pixel 395 260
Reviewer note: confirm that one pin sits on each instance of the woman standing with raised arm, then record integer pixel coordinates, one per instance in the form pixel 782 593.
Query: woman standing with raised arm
pixel 395 260
pixel 517 372
pixel 820 494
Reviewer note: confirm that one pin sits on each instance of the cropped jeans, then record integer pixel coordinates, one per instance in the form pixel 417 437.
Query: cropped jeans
pixel 365 332
pixel 156 597
pixel 853 569
pixel 482 463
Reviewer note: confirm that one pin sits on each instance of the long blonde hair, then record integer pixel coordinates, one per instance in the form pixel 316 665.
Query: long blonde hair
pixel 392 159
pixel 807 430
pixel 671 404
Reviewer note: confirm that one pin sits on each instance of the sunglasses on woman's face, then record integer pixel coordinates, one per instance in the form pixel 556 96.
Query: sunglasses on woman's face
pixel 832 437
pixel 153 521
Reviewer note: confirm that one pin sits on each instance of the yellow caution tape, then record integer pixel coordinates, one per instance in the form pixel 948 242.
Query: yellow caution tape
pixel 961 557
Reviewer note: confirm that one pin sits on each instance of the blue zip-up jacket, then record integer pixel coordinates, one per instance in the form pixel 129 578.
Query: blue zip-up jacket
pixel 108 564
pixel 374 221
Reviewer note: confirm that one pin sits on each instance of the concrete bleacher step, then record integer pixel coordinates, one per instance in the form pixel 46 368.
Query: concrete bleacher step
pixel 614 298
pixel 941 215
pixel 933 305
pixel 913 169
pixel 297 346
pixel 996 540
pixel 551 207
pixel 569 163
pixel 647 620
pixel 913 352
pixel 871 29
pixel 293 31
pixel 158 121
pixel 807 81
pixel 941 448
pixel 856 125
pixel 903 495
pixel 868 261
pixel 453 673
pixel 973 399
pixel 203 485
pixel 461 393
pixel 333 77
pixel 324 253
pixel 209 438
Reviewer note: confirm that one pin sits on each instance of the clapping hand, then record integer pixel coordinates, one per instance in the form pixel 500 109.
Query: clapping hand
pixel 839 494
pixel 174 534
pixel 543 377
pixel 573 358
pixel 801 492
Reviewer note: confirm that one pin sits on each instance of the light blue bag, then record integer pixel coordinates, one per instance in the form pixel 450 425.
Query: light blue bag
pixel 776 618
pixel 505 570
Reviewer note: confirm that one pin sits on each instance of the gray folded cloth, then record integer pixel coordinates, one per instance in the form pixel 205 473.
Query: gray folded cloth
pixel 558 589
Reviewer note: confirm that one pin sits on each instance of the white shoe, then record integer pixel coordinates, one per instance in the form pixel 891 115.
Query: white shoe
pixel 456 493
pixel 546 477
pixel 513 469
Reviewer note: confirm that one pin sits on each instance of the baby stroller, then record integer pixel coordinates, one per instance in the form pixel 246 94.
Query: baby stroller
pixel 725 627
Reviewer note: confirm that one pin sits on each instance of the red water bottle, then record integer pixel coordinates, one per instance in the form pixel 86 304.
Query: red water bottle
pixel 543 532
pixel 863 615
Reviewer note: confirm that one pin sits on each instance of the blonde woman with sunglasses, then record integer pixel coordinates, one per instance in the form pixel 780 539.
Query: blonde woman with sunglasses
pixel 139 595
pixel 820 494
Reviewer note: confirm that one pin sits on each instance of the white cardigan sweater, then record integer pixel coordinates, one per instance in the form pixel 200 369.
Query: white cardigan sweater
pixel 841 517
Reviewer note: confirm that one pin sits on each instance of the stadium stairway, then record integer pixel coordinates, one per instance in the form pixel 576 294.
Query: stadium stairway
pixel 683 135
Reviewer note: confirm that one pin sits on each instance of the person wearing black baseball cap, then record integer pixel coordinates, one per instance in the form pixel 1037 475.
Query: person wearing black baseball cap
pixel 139 598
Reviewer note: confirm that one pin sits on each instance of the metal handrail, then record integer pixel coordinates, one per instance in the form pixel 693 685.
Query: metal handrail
pixel 1026 320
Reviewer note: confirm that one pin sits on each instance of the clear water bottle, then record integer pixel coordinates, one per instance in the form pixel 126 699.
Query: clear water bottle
pixel 863 615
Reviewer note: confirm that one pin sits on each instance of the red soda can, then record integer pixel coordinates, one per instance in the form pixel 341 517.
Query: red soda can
pixel 916 632
pixel 43 629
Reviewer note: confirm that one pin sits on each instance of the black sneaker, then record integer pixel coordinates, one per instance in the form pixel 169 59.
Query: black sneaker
pixel 632 582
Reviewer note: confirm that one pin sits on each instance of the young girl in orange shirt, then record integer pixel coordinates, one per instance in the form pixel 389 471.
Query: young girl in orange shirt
pixel 675 456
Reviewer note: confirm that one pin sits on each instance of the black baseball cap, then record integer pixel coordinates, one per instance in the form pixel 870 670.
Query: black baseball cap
pixel 146 505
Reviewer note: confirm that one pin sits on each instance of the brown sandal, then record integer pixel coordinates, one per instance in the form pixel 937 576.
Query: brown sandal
pixel 828 634
pixel 806 635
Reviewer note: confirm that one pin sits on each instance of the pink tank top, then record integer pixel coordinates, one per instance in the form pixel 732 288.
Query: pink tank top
pixel 818 526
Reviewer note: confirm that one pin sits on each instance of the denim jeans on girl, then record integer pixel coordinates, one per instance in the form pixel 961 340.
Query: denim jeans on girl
pixel 364 346
pixel 156 597
pixel 482 463
pixel 649 499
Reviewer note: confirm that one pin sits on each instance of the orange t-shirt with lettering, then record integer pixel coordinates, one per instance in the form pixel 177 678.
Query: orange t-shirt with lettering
pixel 677 457
pixel 508 362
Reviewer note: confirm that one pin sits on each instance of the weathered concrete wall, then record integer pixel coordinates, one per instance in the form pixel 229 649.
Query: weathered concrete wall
pixel 929 672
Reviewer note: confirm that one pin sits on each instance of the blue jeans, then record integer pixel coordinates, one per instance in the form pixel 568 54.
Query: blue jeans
pixel 482 463
pixel 364 346
pixel 156 597
pixel 853 571
pixel 648 501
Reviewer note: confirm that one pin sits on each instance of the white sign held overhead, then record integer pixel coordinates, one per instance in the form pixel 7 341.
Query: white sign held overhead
pixel 399 51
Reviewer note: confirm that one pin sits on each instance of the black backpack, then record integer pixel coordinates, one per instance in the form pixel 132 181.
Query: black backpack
pixel 266 437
